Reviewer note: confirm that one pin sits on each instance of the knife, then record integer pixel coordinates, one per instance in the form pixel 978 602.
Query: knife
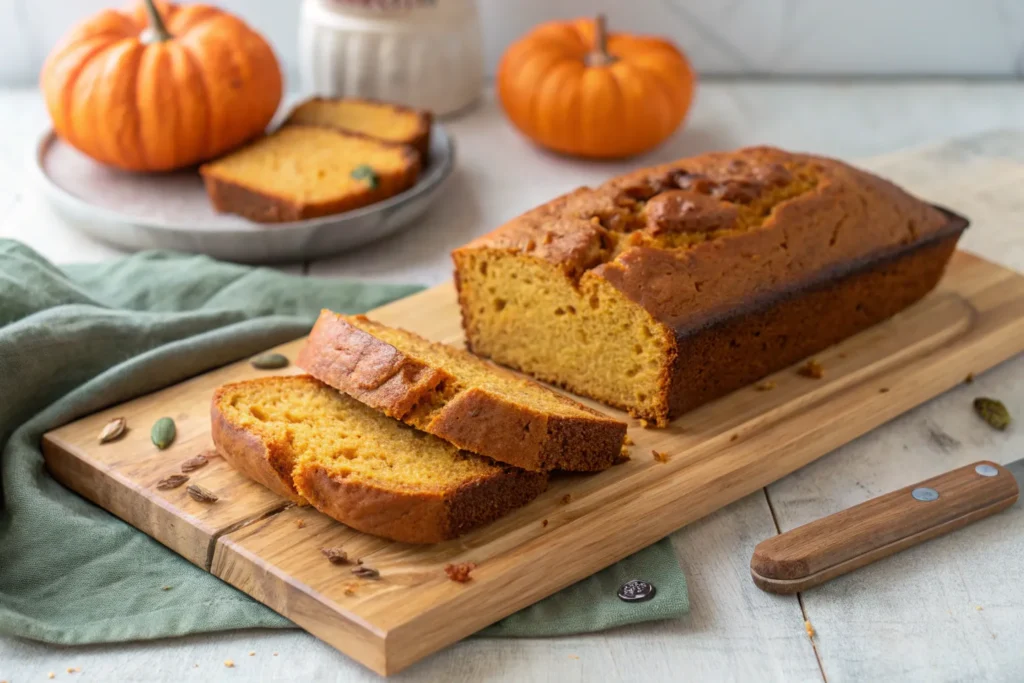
pixel 812 554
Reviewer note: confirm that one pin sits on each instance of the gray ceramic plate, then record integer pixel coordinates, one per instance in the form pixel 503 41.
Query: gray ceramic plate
pixel 171 210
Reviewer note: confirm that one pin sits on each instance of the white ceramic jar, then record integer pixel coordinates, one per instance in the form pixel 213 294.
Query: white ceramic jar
pixel 421 53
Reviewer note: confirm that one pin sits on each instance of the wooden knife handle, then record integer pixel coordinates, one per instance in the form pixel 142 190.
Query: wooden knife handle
pixel 814 553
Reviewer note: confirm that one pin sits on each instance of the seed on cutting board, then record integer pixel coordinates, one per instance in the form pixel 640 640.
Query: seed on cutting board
pixel 335 555
pixel 163 432
pixel 993 412
pixel 193 464
pixel 812 369
pixel 172 482
pixel 365 572
pixel 200 494
pixel 269 361
pixel 113 430
pixel 766 385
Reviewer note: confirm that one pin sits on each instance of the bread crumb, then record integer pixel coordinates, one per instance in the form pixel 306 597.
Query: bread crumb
pixel 969 379
pixel 565 499
pixel 660 456
pixel 74 669
pixel 766 385
pixel 544 523
pixel 300 523
pixel 275 654
pixel 808 628
pixel 734 437
pixel 628 441
pixel 574 656
pixel 165 588
pixel 884 390
pixel 350 590
pixel 229 663
pixel 979 608
pixel 51 675
pixel 644 423
pixel 252 653
pixel 812 369
pixel 460 573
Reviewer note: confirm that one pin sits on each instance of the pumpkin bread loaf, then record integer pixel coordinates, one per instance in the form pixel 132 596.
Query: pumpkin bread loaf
pixel 452 394
pixel 308 171
pixel 387 122
pixel 311 443
pixel 668 287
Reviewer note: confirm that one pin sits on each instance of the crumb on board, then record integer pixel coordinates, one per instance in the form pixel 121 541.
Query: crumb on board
pixel 660 456
pixel 979 608
pixel 766 385
pixel 969 378
pixel 460 573
pixel 252 653
pixel 165 588
pixel 574 656
pixel 812 369
pixel 229 663
pixel 883 390
pixel 565 499
pixel 808 628
pixel 544 523
pixel 51 675
pixel 734 437
pixel 628 441
pixel 74 669
pixel 644 423
pixel 275 654
pixel 350 590
pixel 300 523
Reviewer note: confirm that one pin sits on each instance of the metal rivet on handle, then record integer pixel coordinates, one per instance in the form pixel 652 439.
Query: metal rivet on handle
pixel 986 470
pixel 925 494
pixel 636 590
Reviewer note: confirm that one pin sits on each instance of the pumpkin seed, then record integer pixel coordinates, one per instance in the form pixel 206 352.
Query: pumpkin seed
pixel 366 572
pixel 269 361
pixel 366 172
pixel 335 555
pixel 193 464
pixel 113 430
pixel 163 432
pixel 200 494
pixel 172 482
pixel 993 412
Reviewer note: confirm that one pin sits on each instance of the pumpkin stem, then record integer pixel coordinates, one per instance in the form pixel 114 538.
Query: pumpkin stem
pixel 157 27
pixel 599 56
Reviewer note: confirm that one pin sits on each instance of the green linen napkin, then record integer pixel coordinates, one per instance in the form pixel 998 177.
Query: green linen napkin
pixel 81 338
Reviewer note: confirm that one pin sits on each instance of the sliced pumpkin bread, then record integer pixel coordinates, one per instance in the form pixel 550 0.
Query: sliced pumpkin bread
pixel 388 122
pixel 311 443
pixel 303 172
pixel 454 395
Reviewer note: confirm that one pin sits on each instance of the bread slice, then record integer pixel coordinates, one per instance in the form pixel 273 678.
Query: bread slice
pixel 311 443
pixel 387 122
pixel 308 171
pixel 454 395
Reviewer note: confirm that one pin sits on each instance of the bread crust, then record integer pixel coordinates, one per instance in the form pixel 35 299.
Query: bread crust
pixel 372 371
pixel 229 196
pixel 672 240
pixel 420 140
pixel 418 517
pixel 261 460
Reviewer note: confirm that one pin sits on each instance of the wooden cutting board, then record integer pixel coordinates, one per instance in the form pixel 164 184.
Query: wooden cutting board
pixel 717 454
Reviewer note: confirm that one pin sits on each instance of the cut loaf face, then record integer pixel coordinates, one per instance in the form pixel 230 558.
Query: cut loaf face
pixel 315 445
pixel 671 286
pixel 380 120
pixel 450 393
pixel 303 172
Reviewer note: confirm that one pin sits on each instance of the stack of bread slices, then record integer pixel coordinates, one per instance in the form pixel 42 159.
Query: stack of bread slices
pixel 329 156
pixel 405 438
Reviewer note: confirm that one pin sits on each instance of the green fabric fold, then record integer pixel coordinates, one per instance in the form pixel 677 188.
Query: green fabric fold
pixel 77 339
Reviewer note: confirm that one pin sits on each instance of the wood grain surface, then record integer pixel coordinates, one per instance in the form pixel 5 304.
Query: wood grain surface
pixel 811 554
pixel 717 454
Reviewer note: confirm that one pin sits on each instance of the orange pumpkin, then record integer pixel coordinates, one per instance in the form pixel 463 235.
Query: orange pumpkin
pixel 571 87
pixel 162 87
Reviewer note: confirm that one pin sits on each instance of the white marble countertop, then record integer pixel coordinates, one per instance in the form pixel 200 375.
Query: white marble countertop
pixel 950 610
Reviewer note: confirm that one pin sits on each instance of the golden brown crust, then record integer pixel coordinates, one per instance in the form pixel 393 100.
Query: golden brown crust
pixel 372 371
pixel 418 517
pixel 264 462
pixel 228 196
pixel 420 140
pixel 697 236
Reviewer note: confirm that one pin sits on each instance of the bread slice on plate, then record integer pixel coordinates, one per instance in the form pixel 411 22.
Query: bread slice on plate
pixel 388 122
pixel 454 395
pixel 313 444
pixel 301 172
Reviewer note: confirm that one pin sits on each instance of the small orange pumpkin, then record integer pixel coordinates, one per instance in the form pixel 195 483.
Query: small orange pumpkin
pixel 571 87
pixel 161 88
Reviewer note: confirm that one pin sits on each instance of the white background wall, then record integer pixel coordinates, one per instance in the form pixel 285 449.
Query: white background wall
pixel 735 37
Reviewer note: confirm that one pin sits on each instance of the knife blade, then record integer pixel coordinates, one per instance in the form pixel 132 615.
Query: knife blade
pixel 814 553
